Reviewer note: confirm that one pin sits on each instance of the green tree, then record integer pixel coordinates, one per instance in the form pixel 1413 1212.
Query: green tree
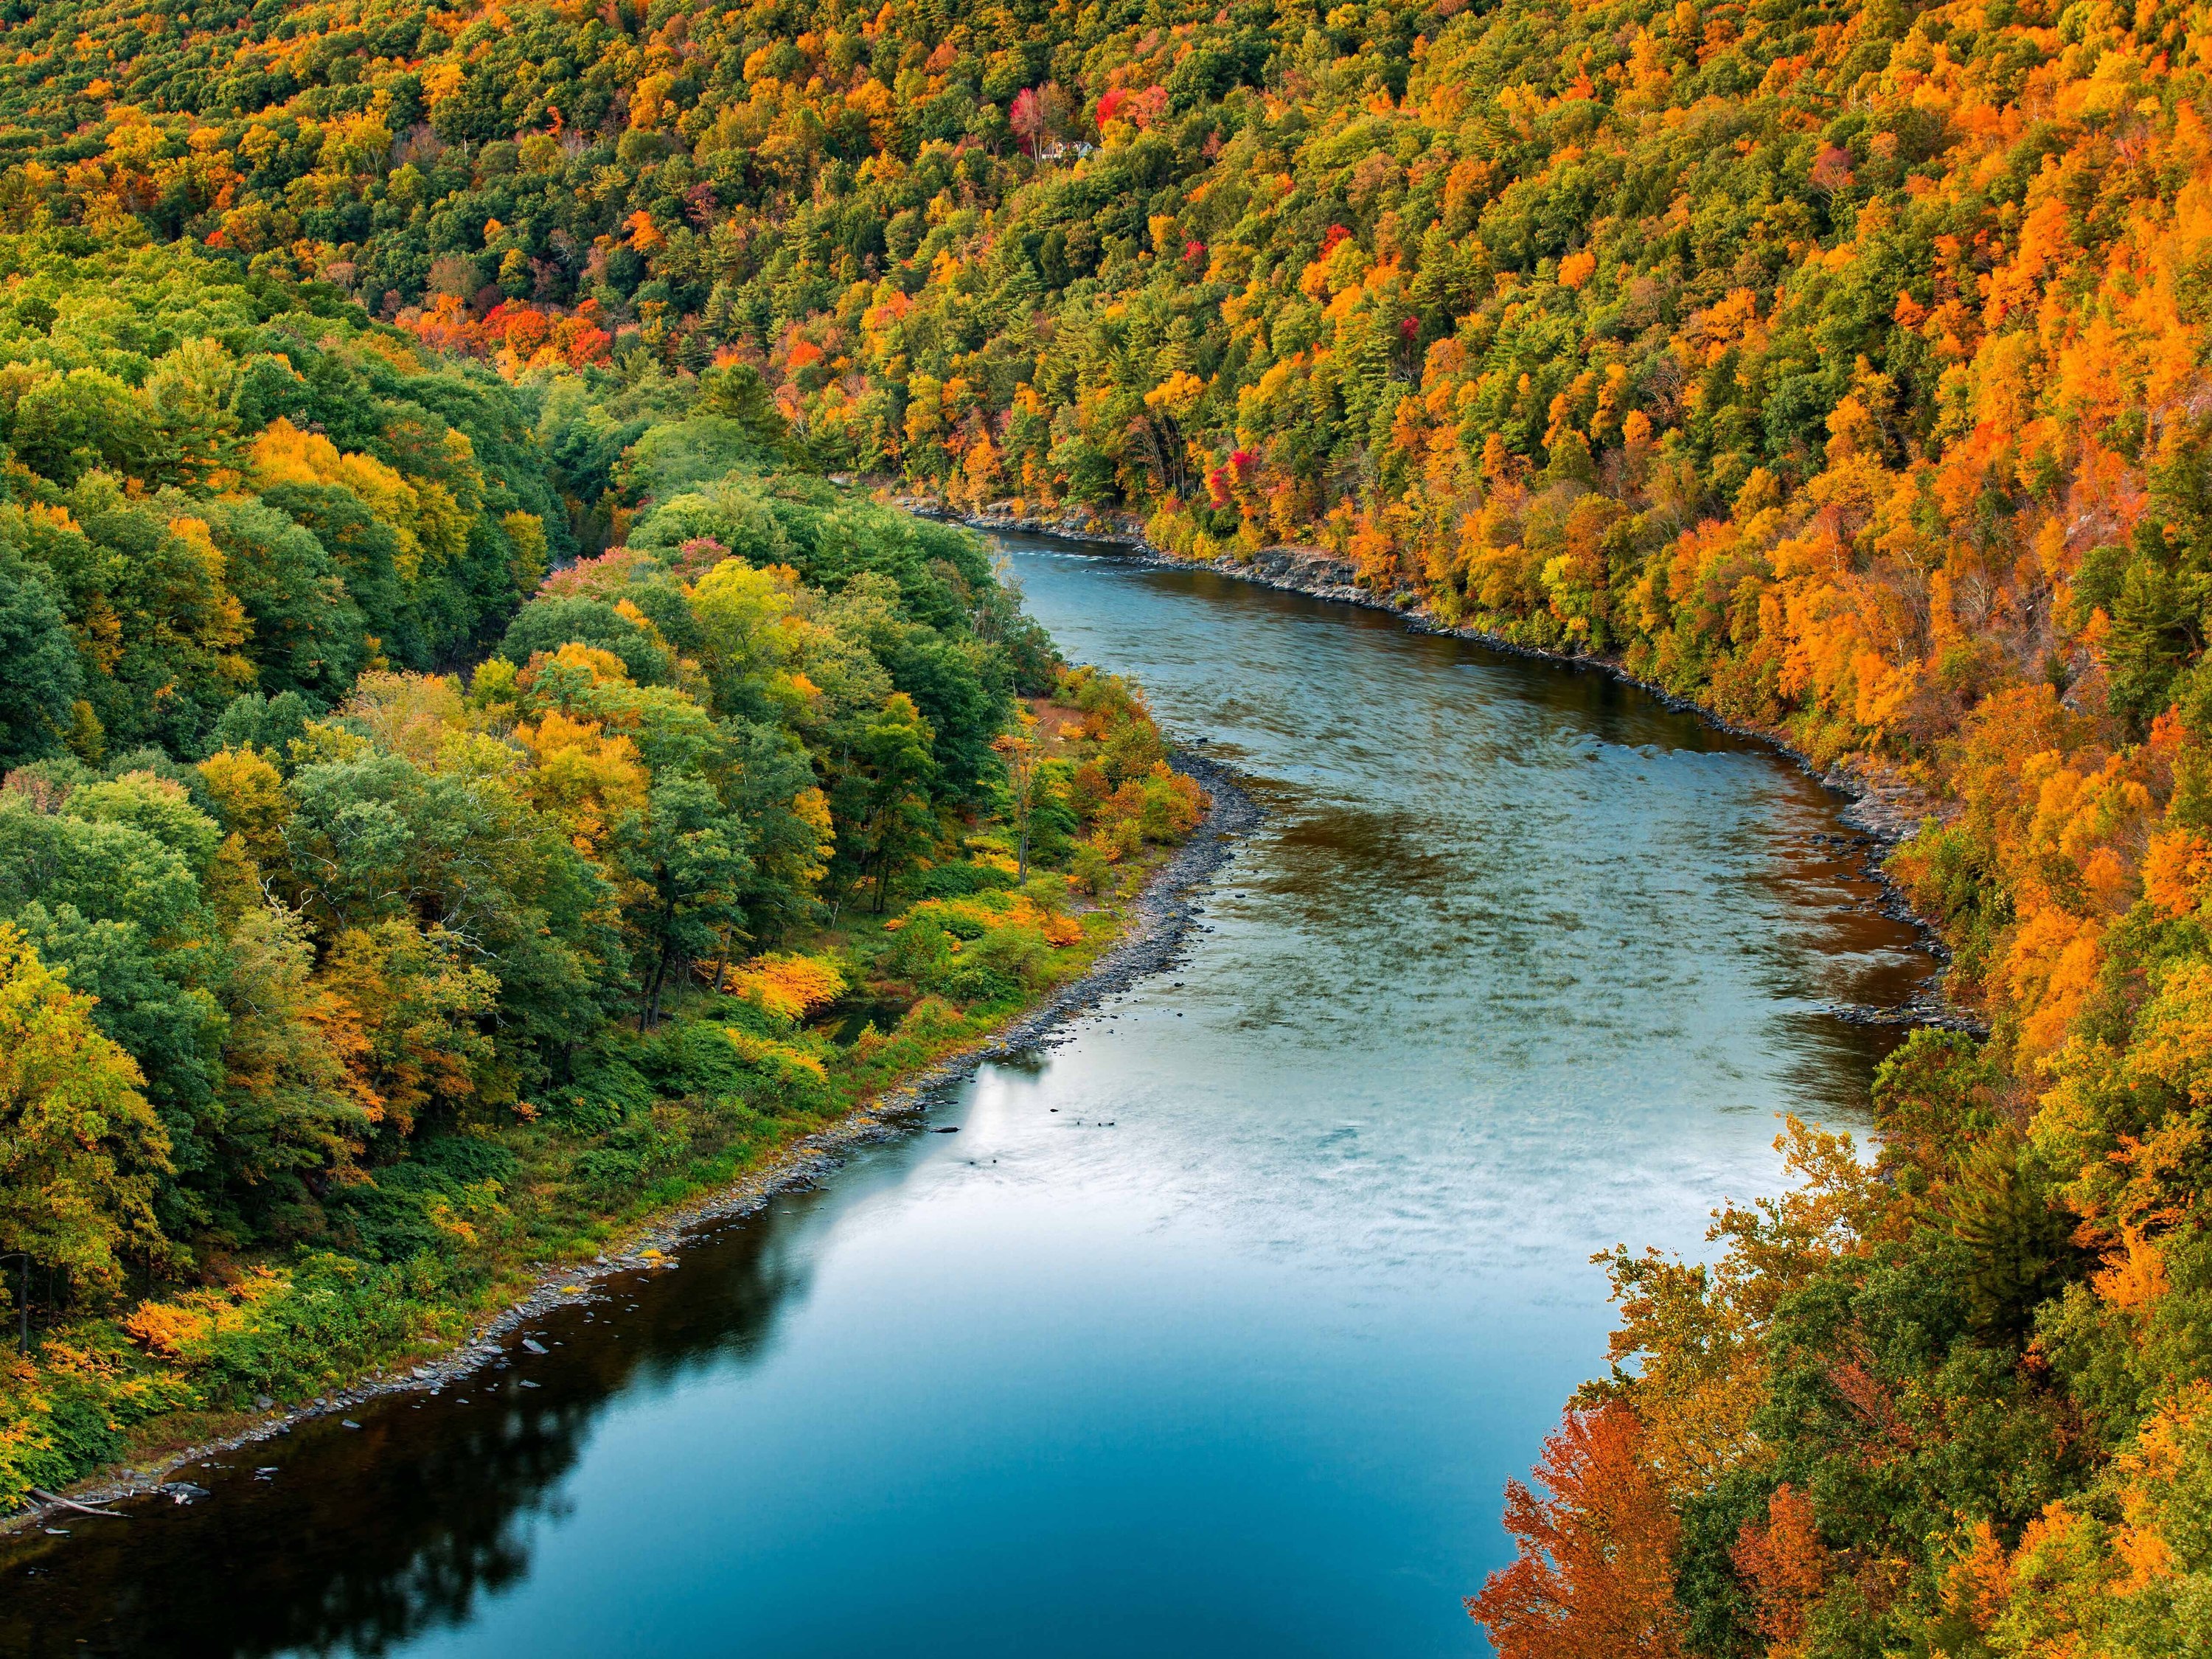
pixel 547 624
pixel 783 813
pixel 892 821
pixel 687 855
pixel 308 633
pixel 68 425
pixel 108 890
pixel 291 1109
pixel 458 851
pixel 1018 750
pixel 43 679
pixel 737 393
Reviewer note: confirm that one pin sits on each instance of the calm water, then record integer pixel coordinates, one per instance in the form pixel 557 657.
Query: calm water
pixel 1217 1329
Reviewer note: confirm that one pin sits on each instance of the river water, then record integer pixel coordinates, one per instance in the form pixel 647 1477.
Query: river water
pixel 1218 1326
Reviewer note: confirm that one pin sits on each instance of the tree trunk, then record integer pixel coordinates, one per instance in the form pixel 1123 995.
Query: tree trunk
pixel 660 977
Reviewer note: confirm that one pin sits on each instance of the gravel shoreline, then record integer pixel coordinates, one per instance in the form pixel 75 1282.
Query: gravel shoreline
pixel 1159 920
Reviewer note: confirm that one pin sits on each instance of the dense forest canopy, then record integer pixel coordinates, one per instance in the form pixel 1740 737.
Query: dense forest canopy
pixel 1843 367
pixel 238 539
pixel 1823 360
pixel 397 886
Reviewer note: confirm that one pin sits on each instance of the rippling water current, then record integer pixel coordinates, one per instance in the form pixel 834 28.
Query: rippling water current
pixel 1217 1327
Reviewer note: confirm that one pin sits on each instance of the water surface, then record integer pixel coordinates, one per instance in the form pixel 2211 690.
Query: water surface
pixel 1218 1326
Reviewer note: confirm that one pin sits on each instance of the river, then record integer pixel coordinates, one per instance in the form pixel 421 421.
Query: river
pixel 1219 1324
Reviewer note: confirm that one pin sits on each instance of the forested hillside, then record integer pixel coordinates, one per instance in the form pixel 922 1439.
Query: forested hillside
pixel 379 912
pixel 1843 367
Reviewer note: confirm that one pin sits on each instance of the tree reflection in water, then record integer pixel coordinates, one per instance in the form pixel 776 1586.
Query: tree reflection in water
pixel 364 1540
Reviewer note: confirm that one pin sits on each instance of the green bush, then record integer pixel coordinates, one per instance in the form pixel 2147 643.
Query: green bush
pixel 691 1057
pixel 961 880
pixel 339 1317
pixel 637 1151
pixel 389 1219
pixel 1002 964
pixel 605 1090
pixel 921 952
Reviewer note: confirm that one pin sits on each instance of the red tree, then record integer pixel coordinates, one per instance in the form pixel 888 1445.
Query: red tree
pixel 1785 1564
pixel 1027 120
pixel 1594 1577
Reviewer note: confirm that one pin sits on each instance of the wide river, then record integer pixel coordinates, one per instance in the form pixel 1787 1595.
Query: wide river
pixel 1218 1327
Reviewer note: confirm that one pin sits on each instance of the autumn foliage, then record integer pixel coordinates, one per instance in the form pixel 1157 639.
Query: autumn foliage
pixel 1594 1577
pixel 381 910
pixel 1839 367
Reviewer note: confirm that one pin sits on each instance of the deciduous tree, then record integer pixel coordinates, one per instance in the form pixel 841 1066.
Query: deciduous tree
pixel 80 1149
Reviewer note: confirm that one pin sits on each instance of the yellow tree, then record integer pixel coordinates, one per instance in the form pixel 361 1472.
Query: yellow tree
pixel 80 1149
pixel 1020 750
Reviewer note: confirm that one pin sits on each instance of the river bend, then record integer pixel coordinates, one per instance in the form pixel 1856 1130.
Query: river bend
pixel 1219 1326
